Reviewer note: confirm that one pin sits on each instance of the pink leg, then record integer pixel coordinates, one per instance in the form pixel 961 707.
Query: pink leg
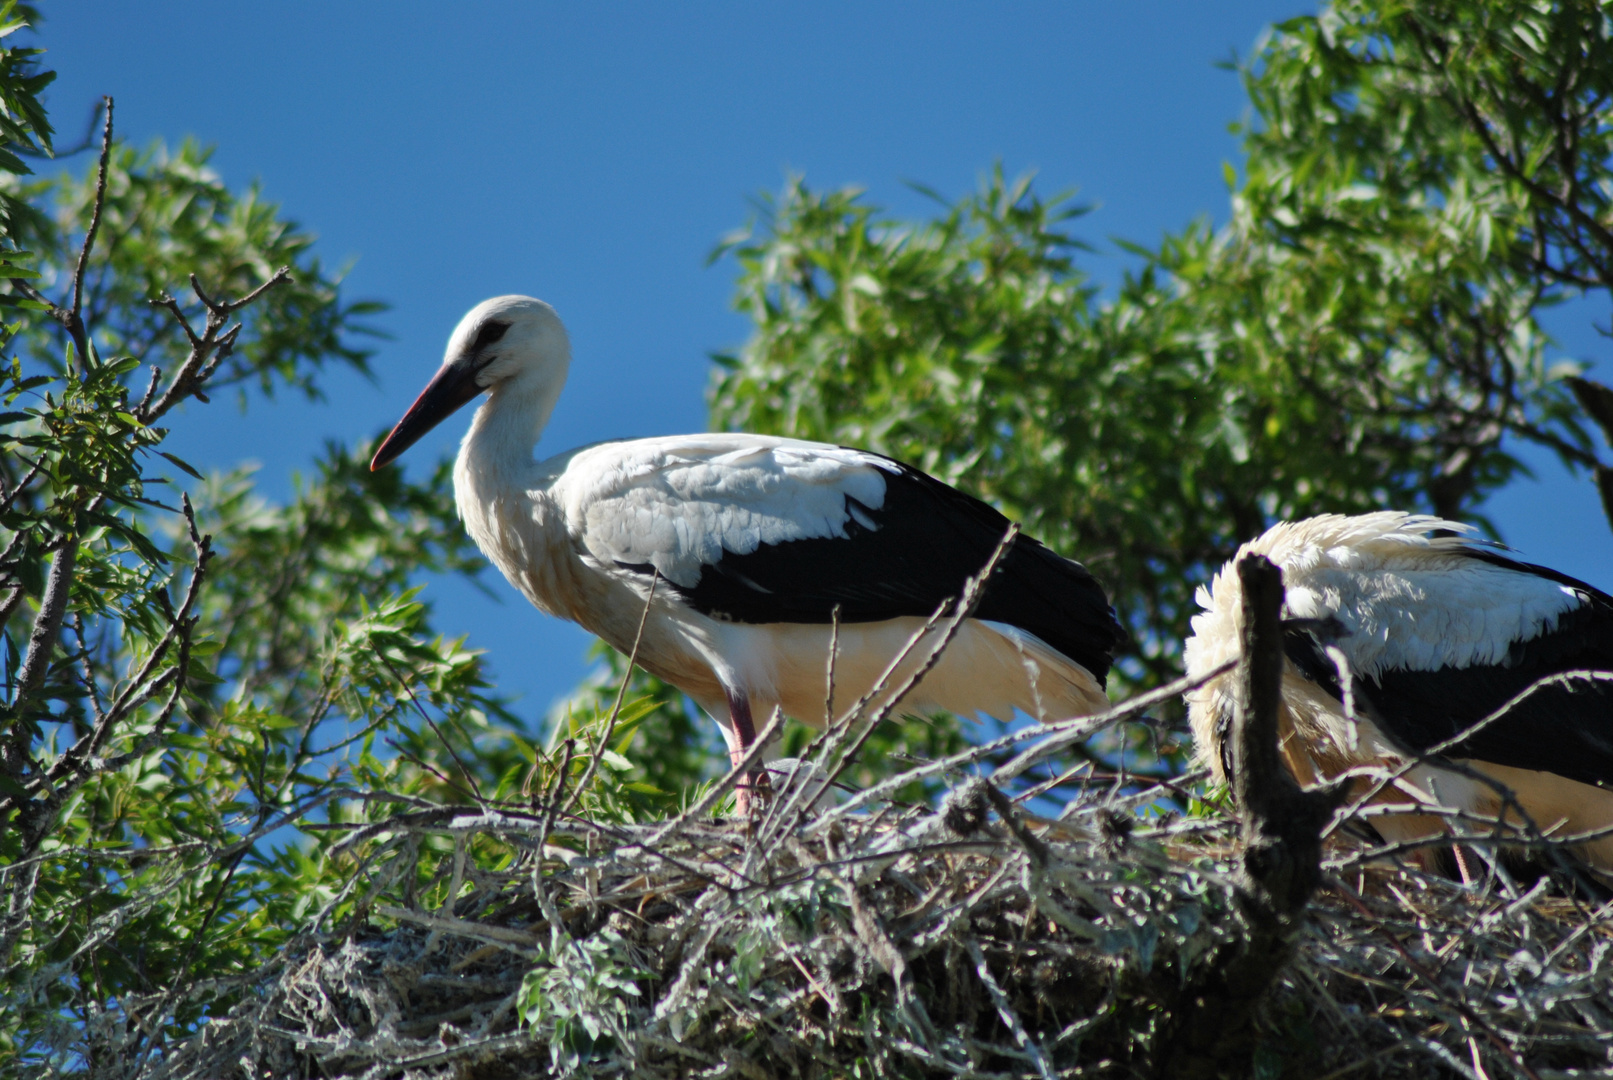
pixel 744 734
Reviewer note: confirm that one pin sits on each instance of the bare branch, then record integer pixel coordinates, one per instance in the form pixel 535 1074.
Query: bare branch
pixel 151 390
pixel 212 306
pixel 172 306
pixel 75 321
pixel 71 317
pixel 231 306
pixel 207 350
pixel 222 309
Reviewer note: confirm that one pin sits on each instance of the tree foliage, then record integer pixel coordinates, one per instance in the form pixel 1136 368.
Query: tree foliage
pixel 209 698
pixel 165 217
pixel 189 669
pixel 1421 180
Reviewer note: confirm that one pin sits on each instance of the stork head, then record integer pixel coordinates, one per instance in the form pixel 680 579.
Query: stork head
pixel 511 346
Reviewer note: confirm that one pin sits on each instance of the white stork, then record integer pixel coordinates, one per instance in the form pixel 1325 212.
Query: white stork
pixel 1439 632
pixel 755 546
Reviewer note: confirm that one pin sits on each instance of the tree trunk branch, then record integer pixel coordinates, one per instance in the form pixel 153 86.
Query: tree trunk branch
pixel 41 647
pixel 1211 1031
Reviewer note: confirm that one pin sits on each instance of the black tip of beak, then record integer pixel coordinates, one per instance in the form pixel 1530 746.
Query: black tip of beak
pixel 404 434
pixel 378 461
pixel 450 388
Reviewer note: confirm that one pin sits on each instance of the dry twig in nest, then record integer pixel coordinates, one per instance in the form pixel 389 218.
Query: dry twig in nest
pixel 971 940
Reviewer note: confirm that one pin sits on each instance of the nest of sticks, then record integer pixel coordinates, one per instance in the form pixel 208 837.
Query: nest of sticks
pixel 970 939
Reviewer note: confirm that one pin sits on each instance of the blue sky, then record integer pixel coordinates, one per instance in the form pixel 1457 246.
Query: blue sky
pixel 592 154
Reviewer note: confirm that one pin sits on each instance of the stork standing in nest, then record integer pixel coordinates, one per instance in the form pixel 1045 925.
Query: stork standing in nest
pixel 1438 633
pixel 750 551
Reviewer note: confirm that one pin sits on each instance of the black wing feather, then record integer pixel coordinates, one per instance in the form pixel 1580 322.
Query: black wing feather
pixel 927 540
pixel 1565 728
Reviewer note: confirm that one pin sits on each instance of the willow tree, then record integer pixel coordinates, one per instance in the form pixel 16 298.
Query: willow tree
pixel 1420 181
pixel 205 692
pixel 189 670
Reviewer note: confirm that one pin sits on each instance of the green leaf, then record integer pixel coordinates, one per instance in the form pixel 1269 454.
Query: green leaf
pixel 181 463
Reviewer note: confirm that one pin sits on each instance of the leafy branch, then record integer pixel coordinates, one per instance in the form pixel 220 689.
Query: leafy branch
pixel 53 606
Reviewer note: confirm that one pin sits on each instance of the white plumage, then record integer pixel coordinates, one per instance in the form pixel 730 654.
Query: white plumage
pixel 755 546
pixel 1438 632
pixel 679 503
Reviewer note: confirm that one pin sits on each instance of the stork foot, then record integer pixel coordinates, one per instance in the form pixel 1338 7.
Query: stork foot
pixel 751 789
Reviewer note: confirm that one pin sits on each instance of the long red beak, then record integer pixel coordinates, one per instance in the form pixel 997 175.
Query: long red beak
pixel 449 389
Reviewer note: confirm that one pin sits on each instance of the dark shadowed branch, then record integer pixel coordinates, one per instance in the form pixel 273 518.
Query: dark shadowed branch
pixel 207 350
pixel 1211 1030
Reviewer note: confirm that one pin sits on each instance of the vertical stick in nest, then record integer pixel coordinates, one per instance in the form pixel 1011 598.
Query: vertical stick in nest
pixel 1211 1030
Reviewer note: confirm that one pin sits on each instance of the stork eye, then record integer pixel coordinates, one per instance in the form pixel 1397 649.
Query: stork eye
pixel 488 335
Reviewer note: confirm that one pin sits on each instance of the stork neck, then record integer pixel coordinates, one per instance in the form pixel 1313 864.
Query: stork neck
pixel 505 429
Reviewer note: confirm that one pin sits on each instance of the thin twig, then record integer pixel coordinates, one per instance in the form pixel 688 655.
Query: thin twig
pixel 616 709
pixel 552 798
pixel 1422 973
pixel 446 780
pixel 470 777
pixel 75 321
pixel 1009 1017
pixel 230 307
pixel 829 667
pixel 21 485
pixel 147 681
pixel 752 756
pixel 1052 737
pixel 827 741
pixel 208 349
pixel 973 589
